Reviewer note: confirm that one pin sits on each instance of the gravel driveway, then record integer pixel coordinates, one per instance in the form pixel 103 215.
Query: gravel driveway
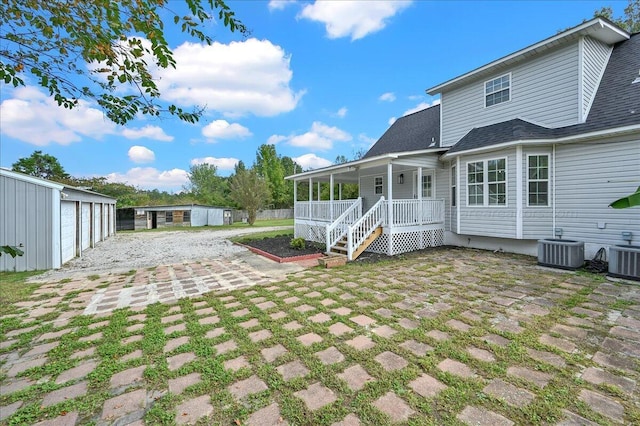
pixel 126 251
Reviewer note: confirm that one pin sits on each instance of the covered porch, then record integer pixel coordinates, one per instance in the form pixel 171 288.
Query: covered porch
pixel 396 209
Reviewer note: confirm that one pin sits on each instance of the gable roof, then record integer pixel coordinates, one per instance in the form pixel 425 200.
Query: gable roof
pixel 616 104
pixel 598 28
pixel 413 132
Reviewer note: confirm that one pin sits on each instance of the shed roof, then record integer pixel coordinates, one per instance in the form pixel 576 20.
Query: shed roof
pixel 30 179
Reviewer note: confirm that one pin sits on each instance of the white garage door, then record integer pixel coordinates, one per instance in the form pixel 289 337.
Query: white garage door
pixel 86 226
pixel 105 222
pixel 97 220
pixel 68 230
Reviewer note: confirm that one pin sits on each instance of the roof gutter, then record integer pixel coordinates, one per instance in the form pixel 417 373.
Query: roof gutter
pixel 567 139
pixel 353 165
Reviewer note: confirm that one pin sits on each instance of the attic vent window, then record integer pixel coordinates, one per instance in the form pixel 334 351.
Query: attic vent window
pixel 497 90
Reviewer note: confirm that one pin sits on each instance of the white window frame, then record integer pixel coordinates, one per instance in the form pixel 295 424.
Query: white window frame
pixel 377 185
pixel 485 183
pixel 509 89
pixel 417 187
pixel 548 180
pixel 454 188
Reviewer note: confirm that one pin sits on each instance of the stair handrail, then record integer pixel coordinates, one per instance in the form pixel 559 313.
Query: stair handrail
pixel 336 230
pixel 363 227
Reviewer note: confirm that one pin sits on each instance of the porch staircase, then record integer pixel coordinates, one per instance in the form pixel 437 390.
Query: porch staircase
pixel 340 247
pixel 351 233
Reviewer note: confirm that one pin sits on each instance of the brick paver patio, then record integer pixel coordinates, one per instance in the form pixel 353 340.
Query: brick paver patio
pixel 440 337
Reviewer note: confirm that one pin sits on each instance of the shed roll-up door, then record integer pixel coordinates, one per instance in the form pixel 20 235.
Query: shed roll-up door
pixel 97 220
pixel 86 226
pixel 68 230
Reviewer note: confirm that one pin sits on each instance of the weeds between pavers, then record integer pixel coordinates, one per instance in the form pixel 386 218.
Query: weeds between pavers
pixel 400 287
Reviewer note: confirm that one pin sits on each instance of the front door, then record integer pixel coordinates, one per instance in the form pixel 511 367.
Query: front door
pixel 428 185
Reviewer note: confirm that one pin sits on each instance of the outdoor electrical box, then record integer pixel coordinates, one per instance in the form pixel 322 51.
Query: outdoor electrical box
pixel 227 217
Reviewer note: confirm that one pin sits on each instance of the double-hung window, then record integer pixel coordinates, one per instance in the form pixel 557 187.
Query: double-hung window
pixel 475 183
pixel 487 182
pixel 186 217
pixel 453 186
pixel 377 185
pixel 538 177
pixel 427 186
pixel 497 90
pixel 169 217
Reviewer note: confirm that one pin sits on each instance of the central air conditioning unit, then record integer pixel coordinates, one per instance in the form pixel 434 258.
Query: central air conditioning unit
pixel 624 262
pixel 563 254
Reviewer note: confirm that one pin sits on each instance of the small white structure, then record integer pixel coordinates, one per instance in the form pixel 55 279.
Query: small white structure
pixel 52 223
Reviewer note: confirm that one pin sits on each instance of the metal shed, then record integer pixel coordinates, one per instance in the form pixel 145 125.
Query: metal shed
pixel 52 223
pixel 152 217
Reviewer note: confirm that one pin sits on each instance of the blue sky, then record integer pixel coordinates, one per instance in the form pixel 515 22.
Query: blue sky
pixel 318 79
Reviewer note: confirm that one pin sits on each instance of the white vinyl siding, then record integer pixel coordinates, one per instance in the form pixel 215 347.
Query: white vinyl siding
pixel 442 192
pixel 595 57
pixel 490 221
pixel 589 177
pixel 543 90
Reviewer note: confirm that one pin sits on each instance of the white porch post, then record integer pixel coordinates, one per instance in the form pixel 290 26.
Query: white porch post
pixel 310 196
pixel 331 197
pixel 318 190
pixel 420 207
pixel 390 206
pixel 295 197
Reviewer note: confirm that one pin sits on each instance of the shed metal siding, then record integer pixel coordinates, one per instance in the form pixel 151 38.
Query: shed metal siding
pixel 489 221
pixel 215 217
pixel 26 219
pixel 198 216
pixel 589 176
pixel 595 57
pixel 543 90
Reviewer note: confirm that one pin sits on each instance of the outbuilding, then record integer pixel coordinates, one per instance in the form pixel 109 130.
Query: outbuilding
pixel 51 222
pixel 152 217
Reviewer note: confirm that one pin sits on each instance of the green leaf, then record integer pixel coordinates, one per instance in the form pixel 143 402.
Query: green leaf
pixel 632 200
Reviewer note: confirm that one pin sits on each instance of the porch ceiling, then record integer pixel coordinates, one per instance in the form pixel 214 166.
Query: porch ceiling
pixel 352 174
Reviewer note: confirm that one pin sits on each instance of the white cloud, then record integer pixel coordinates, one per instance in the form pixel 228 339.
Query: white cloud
pixel 392 120
pixel 243 77
pixel 275 139
pixel 366 139
pixel 355 19
pixel 221 129
pixel 141 154
pixel 342 112
pixel 319 138
pixel 34 117
pixel 312 161
pixel 415 97
pixel 280 4
pixel 387 97
pixel 220 163
pixel 150 178
pixel 149 132
pixel 421 106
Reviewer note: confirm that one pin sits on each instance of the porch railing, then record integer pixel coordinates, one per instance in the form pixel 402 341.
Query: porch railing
pixel 359 231
pixel 339 228
pixel 321 210
pixel 417 212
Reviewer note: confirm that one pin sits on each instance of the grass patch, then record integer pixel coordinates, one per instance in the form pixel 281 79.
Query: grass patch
pixel 15 289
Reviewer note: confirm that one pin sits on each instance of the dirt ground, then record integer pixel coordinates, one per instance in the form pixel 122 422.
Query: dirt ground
pixel 126 251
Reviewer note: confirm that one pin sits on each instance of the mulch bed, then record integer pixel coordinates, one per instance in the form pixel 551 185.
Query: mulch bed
pixel 280 247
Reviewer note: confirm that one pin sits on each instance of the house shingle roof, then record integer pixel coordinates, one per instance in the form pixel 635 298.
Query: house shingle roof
pixel 617 104
pixel 413 132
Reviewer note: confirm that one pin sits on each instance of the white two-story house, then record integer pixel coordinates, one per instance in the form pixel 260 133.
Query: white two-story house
pixel 533 145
